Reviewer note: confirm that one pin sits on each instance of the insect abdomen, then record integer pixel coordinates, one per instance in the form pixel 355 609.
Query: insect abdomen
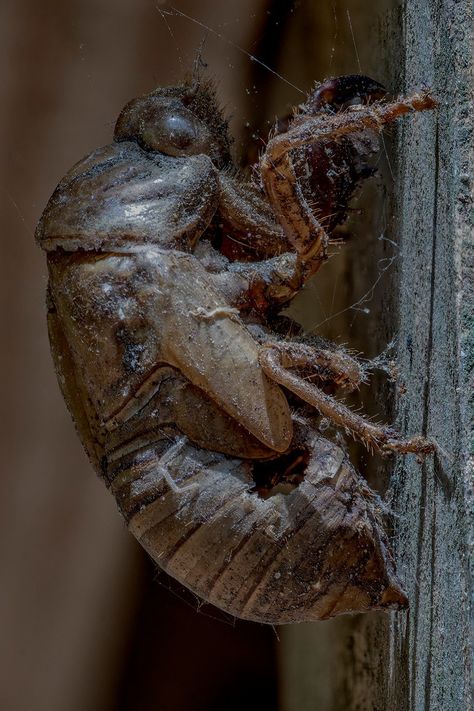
pixel 310 554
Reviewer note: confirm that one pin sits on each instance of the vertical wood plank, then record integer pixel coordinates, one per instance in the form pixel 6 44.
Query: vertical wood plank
pixel 436 320
pixel 421 660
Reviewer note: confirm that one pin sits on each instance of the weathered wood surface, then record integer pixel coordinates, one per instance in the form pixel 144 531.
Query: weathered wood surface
pixel 422 660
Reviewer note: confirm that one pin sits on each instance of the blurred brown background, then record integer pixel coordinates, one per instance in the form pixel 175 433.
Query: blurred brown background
pixel 86 622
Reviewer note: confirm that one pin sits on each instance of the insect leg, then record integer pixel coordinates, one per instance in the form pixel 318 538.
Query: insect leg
pixel 299 219
pixel 276 361
pixel 329 365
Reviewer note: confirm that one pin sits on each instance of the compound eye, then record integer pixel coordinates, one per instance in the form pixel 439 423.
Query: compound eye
pixel 179 130
pixel 173 131
pixel 164 126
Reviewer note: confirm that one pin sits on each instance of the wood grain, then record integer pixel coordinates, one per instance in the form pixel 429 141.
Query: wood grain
pixel 419 661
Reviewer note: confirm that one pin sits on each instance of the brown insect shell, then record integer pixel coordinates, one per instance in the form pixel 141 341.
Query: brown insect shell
pixel 314 553
pixel 138 367
pixel 133 307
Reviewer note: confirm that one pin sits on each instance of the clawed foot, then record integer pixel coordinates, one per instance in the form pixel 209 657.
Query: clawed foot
pixel 416 445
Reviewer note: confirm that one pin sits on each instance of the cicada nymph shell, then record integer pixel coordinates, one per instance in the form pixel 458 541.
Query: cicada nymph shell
pixel 162 376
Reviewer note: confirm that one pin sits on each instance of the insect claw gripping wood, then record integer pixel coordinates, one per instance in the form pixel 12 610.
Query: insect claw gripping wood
pixel 167 272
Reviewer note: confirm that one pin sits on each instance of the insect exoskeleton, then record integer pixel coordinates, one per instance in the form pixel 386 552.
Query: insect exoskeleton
pixel 157 341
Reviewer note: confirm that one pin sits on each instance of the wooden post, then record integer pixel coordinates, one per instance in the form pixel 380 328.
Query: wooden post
pixel 419 660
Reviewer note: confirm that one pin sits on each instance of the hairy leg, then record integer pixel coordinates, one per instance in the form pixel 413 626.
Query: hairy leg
pixel 299 219
pixel 267 284
pixel 278 359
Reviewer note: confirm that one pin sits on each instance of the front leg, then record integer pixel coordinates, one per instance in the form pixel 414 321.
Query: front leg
pixel 267 284
pixel 263 273
pixel 265 287
pixel 299 219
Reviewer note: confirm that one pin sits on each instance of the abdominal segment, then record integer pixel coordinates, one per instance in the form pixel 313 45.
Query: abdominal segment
pixel 309 554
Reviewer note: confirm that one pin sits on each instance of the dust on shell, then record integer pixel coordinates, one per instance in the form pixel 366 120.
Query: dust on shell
pixel 314 553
